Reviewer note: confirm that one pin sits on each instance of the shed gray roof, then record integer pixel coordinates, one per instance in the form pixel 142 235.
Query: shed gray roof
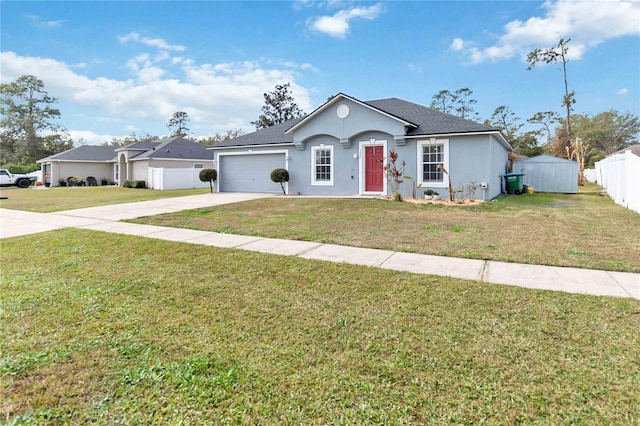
pixel 172 148
pixel 544 158
pixel 84 153
pixel 427 121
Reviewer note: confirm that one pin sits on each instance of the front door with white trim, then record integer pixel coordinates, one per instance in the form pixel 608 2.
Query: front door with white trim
pixel 372 179
pixel 373 172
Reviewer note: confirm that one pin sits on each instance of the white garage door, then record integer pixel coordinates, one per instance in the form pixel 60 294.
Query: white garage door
pixel 249 173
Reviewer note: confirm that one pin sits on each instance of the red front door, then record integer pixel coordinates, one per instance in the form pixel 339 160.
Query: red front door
pixel 373 173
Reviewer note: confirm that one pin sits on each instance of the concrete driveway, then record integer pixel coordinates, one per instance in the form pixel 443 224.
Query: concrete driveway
pixel 14 223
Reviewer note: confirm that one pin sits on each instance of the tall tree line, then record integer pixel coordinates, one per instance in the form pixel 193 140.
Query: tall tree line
pixel 28 127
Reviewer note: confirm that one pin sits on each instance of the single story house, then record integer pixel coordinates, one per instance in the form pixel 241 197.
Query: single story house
pixel 131 162
pixel 545 173
pixel 340 148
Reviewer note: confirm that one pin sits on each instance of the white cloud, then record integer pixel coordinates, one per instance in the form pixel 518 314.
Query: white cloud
pixel 457 44
pixel 414 68
pixel 87 137
pixel 308 67
pixel 587 23
pixel 40 23
pixel 301 4
pixel 304 66
pixel 622 91
pixel 152 42
pixel 338 24
pixel 217 97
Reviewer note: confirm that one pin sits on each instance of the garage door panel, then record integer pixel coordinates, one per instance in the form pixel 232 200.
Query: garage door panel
pixel 249 173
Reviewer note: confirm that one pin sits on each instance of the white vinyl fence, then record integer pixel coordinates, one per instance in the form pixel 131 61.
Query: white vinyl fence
pixel 619 175
pixel 168 178
pixel 590 175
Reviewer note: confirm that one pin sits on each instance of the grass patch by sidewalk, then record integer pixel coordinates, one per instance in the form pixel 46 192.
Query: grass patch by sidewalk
pixel 582 230
pixel 101 328
pixel 46 200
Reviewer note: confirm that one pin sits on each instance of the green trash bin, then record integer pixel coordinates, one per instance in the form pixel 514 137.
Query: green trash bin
pixel 513 183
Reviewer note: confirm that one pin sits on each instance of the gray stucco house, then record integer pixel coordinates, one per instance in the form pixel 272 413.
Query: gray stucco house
pixel 128 162
pixel 339 148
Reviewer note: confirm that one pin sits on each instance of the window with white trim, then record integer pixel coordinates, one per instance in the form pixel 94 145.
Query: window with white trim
pixel 432 154
pixel 322 165
pixel 198 166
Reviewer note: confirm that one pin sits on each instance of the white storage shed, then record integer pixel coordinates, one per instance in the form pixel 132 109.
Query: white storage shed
pixel 549 174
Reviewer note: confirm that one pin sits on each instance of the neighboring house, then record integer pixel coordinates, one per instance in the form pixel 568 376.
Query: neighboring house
pixel 84 161
pixel 545 173
pixel 619 175
pixel 339 149
pixel 134 161
pixel 131 162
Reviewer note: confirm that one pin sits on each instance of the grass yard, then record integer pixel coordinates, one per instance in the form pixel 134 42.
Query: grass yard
pixel 46 200
pixel 110 329
pixel 583 230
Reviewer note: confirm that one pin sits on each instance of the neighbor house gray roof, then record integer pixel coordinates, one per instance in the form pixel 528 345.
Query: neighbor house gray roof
pixel 138 146
pixel 635 149
pixel 427 121
pixel 172 148
pixel 84 153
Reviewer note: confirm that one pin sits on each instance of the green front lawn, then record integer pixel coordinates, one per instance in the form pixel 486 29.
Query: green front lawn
pixel 582 230
pixel 110 329
pixel 46 200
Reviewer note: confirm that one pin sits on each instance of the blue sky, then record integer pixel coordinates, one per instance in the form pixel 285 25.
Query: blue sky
pixel 123 67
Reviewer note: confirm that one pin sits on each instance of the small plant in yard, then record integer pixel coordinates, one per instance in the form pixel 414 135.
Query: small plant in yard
pixel 104 181
pixel 430 194
pixel 76 181
pixel 458 195
pixel 394 174
pixel 415 187
pixel 280 176
pixel 138 184
pixel 472 187
pixel 441 167
pixel 208 175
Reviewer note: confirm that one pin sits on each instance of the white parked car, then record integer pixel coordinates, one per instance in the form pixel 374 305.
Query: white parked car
pixel 21 181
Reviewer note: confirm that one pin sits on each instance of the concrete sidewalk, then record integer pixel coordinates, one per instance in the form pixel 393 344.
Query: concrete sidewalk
pixel 571 280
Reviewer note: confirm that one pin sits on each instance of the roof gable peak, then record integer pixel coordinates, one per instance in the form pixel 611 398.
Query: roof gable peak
pixel 336 99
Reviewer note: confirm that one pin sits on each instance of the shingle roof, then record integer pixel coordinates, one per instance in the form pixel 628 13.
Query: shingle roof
pixel 635 149
pixel 428 121
pixel 270 135
pixel 171 148
pixel 174 148
pixel 139 146
pixel 84 153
